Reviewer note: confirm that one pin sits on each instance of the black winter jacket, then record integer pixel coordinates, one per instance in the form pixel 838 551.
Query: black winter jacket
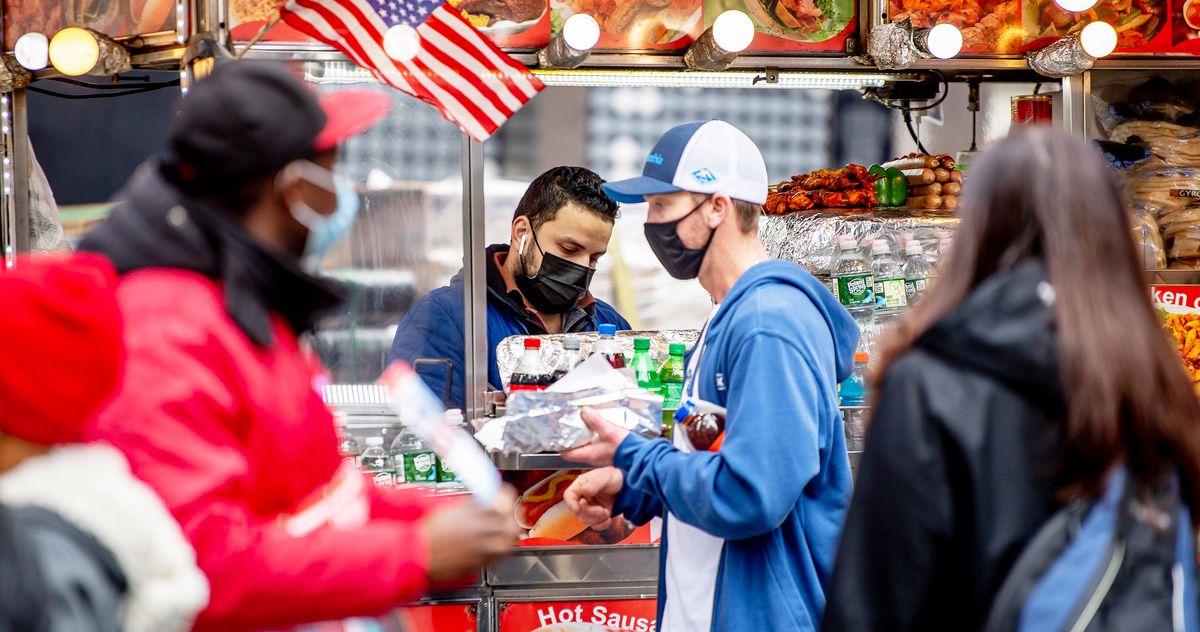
pixel 959 467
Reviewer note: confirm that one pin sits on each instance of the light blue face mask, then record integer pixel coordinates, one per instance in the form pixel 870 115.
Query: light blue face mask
pixel 325 231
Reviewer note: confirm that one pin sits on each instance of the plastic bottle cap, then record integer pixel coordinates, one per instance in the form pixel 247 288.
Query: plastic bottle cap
pixel 571 344
pixel 641 344
pixel 862 357
pixel 374 441
pixel 608 330
pixel 678 348
pixel 533 343
pixel 880 247
pixel 913 248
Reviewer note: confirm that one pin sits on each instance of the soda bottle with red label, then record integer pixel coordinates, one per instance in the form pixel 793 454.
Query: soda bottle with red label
pixel 532 374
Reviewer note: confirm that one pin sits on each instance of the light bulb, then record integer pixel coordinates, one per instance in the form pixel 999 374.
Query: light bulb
pixel 733 31
pixel 33 51
pixel 74 51
pixel 945 41
pixel 402 42
pixel 1075 6
pixel 581 32
pixel 1099 39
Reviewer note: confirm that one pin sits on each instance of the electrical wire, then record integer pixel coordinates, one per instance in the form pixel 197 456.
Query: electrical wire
pixel 912 131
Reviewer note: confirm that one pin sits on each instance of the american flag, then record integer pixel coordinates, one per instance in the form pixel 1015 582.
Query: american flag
pixel 458 70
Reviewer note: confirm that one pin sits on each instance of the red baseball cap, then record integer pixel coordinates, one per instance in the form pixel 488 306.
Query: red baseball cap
pixel 349 113
pixel 60 346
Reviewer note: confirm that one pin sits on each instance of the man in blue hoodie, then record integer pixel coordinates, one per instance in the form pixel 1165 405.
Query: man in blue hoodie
pixel 751 518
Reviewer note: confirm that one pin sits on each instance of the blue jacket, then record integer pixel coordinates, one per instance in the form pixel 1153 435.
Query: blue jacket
pixel 778 489
pixel 433 328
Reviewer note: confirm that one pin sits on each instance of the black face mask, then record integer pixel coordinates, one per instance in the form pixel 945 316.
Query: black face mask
pixel 681 262
pixel 559 284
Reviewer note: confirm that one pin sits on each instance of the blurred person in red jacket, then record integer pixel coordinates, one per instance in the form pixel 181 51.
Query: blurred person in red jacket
pixel 84 545
pixel 219 409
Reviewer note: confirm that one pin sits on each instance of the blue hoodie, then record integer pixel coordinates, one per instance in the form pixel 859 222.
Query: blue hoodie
pixel 778 489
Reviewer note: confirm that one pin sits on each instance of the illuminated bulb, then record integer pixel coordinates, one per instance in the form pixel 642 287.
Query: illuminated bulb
pixel 1099 39
pixel 945 41
pixel 581 32
pixel 1075 5
pixel 74 51
pixel 33 51
pixel 401 42
pixel 733 31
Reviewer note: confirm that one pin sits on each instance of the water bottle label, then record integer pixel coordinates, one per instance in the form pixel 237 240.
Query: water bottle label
pixel 890 294
pixel 420 467
pixel 914 288
pixel 445 474
pixel 383 480
pixel 672 394
pixel 856 290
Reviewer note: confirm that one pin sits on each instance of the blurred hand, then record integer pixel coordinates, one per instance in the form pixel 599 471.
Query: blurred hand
pixel 592 495
pixel 464 537
pixel 600 451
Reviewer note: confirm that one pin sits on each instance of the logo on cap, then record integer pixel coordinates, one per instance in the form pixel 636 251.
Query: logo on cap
pixel 704 176
pixel 654 159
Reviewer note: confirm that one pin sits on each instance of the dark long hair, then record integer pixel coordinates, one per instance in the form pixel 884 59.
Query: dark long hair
pixel 1040 194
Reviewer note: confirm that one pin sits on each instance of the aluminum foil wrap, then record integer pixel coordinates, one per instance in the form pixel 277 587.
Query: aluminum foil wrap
pixel 509 351
pixel 12 75
pixel 541 421
pixel 705 54
pixel 810 239
pixel 890 46
pixel 1063 58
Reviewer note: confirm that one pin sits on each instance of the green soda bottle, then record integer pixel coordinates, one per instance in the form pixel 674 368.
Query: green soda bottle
pixel 643 365
pixel 671 378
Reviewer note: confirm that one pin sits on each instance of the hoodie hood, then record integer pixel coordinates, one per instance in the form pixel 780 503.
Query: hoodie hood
pixel 91 487
pixel 1005 329
pixel 841 324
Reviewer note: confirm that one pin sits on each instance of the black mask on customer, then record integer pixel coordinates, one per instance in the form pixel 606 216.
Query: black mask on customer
pixel 680 261
pixel 559 284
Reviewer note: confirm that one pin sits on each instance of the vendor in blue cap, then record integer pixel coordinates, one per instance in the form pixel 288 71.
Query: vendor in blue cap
pixel 753 507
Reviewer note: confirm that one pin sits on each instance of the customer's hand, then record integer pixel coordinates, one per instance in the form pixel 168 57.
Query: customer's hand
pixel 464 537
pixel 592 495
pixel 600 451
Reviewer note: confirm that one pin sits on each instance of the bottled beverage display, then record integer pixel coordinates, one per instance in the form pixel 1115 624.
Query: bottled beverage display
pixel 644 366
pixel 348 447
pixel 376 462
pixel 670 377
pixel 853 391
pixel 608 346
pixel 446 478
pixel 414 461
pixel 853 281
pixel 889 279
pixel 532 374
pixel 918 272
pixel 571 357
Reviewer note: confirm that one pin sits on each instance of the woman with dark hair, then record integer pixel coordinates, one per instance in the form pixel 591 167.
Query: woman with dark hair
pixel 1032 369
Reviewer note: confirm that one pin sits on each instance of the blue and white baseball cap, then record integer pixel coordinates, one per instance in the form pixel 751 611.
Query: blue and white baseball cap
pixel 702 157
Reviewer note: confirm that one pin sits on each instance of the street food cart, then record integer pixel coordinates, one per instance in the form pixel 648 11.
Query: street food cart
pixel 418 231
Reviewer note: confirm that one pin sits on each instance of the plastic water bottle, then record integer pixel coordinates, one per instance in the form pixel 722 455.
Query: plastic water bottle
pixel 570 359
pixel 854 286
pixel 376 462
pixel 644 366
pixel 918 272
pixel 608 346
pixel 347 446
pixel 889 279
pixel 447 479
pixel 853 391
pixel 415 462
pixel 670 377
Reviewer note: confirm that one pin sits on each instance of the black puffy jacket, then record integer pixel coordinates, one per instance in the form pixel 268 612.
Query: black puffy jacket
pixel 959 467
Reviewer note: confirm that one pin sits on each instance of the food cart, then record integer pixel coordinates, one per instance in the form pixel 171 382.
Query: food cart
pixel 611 582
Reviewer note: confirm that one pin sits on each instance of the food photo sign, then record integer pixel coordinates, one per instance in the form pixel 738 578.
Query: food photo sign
pixel 115 18
pixel 1179 308
pixel 546 520
pixel 618 615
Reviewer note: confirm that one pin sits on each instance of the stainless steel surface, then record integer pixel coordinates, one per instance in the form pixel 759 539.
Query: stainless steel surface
pixel 19 129
pixel 474 280
pixel 625 590
pixel 1077 92
pixel 576 565
pixel 535 462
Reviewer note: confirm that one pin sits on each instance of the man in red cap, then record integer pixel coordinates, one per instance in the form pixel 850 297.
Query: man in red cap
pixel 83 544
pixel 218 410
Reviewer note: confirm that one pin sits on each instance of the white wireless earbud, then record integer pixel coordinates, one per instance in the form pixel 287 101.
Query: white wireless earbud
pixel 521 245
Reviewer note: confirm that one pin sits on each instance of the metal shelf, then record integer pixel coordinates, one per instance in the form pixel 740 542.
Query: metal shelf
pixel 547 461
